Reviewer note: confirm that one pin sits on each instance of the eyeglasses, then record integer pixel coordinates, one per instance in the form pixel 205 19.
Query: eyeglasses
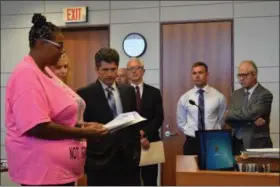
pixel 135 68
pixel 58 45
pixel 243 75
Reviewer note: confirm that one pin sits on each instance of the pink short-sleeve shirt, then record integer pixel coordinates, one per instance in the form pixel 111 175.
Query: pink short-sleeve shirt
pixel 33 98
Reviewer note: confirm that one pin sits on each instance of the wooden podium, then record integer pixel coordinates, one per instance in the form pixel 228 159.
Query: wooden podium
pixel 188 174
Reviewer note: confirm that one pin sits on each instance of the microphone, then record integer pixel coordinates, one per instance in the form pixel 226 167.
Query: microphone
pixel 192 102
pixel 200 110
pixel 204 160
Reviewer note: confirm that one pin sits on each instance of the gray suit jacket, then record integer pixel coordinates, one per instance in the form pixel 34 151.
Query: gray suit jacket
pixel 238 115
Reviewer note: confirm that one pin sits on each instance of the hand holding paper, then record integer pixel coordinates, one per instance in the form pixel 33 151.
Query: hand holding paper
pixel 93 128
pixel 154 155
pixel 145 143
pixel 124 120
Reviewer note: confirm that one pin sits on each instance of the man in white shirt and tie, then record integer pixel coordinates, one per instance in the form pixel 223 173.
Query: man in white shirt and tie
pixel 212 106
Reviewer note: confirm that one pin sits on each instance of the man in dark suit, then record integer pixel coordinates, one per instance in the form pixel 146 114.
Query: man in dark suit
pixel 149 105
pixel 249 110
pixel 112 160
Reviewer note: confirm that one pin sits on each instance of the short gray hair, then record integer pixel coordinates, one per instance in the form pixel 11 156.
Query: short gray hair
pixel 137 60
pixel 253 64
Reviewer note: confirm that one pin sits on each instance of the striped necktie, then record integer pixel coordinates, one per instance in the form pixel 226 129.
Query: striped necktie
pixel 201 116
pixel 111 100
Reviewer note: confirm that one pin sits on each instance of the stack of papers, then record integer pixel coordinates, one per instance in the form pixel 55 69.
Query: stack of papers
pixel 124 120
pixel 262 153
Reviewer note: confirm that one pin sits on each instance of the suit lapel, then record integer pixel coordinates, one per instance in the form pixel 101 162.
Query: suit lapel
pixel 122 97
pixel 254 95
pixel 100 91
pixel 144 96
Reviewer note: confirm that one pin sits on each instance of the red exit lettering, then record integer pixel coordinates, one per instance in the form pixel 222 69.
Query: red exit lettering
pixel 74 14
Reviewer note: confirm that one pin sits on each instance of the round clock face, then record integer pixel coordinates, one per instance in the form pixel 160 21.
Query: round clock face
pixel 134 45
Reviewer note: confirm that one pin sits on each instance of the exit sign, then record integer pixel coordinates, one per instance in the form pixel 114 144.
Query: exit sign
pixel 75 14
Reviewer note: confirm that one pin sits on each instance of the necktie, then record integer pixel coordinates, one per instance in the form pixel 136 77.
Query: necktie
pixel 138 98
pixel 245 103
pixel 201 120
pixel 246 98
pixel 111 100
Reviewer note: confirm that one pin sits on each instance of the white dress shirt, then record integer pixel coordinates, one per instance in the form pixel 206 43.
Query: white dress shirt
pixel 251 90
pixel 187 114
pixel 140 88
pixel 116 96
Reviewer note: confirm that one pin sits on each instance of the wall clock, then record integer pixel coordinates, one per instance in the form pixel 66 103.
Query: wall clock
pixel 134 45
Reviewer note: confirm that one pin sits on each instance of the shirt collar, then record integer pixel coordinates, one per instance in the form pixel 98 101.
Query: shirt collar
pixel 251 90
pixel 140 85
pixel 104 86
pixel 205 88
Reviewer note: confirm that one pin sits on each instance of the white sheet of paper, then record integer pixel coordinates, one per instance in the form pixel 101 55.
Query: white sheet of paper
pixel 154 155
pixel 123 120
pixel 265 150
pixel 262 153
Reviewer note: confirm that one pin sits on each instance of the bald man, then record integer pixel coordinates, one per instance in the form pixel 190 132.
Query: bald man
pixel 249 110
pixel 122 76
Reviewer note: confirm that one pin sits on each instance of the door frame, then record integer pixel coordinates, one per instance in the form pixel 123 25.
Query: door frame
pixel 86 28
pixel 197 21
pixel 161 60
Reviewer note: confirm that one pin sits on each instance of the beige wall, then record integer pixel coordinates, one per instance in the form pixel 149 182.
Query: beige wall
pixel 256 34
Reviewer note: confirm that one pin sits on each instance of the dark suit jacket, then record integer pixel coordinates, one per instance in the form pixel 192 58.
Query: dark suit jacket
pixel 238 115
pixel 151 108
pixel 124 143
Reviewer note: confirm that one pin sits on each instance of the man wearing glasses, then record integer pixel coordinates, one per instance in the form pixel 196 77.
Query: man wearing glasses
pixel 149 105
pixel 249 110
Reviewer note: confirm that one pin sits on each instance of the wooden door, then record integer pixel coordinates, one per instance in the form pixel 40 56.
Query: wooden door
pixel 182 45
pixel 81 44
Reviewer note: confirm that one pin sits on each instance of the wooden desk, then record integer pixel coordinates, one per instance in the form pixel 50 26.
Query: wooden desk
pixel 188 174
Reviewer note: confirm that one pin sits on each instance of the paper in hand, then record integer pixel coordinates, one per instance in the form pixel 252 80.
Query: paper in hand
pixel 154 155
pixel 124 120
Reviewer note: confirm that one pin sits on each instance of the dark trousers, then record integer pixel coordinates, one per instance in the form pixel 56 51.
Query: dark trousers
pixel 262 142
pixel 66 184
pixel 111 177
pixel 257 143
pixel 238 146
pixel 191 146
pixel 149 175
pixel 118 172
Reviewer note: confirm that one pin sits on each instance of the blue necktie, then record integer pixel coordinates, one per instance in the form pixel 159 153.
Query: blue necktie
pixel 111 100
pixel 201 116
pixel 238 131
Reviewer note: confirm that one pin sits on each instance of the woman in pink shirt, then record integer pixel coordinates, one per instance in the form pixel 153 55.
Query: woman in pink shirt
pixel 43 143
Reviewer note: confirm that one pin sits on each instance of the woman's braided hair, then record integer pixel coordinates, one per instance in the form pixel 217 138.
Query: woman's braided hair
pixel 41 29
